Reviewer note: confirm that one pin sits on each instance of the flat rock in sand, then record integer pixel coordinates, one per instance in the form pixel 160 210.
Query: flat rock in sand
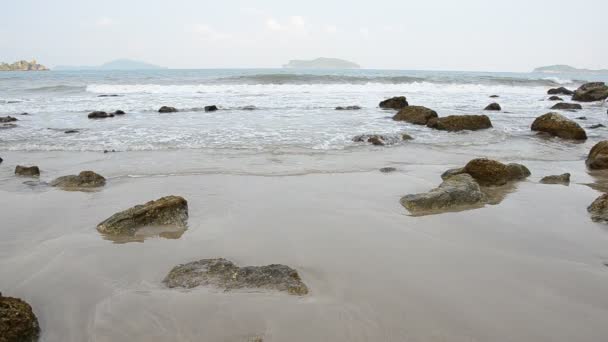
pixel 84 180
pixel 563 179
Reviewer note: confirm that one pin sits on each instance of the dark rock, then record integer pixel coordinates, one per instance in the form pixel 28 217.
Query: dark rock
pixel 4 119
pixel 375 140
pixel 119 112
pixel 108 95
pixel 70 131
pixel 489 172
pixel 596 126
pixel 557 179
pixel 387 169
pixel 210 108
pixel 555 98
pixel 417 115
pixel 1 160
pixel 560 91
pixel 24 114
pixel 454 123
pixel 250 107
pixel 588 92
pixel 598 156
pixel 493 106
pixel 108 151
pixel 380 140
pixel 100 115
pixel 494 96
pixel 397 102
pixel 348 108
pixel 560 126
pixel 84 180
pixel 223 274
pixel 166 109
pixel 456 192
pixel 567 106
pixel 517 172
pixel 28 171
pixel 18 323
pixel 405 136
pixel 169 210
pixel 582 118
pixel 599 209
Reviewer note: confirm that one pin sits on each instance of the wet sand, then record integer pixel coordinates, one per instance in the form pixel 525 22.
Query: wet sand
pixel 528 269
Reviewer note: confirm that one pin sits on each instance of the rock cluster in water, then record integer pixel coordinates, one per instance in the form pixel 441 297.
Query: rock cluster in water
pixel 381 140
pixel 18 323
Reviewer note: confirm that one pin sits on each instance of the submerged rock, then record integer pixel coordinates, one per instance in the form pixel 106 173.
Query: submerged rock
pixel 557 179
pixel 598 156
pixel 348 108
pixel 28 171
pixel 167 109
pixel 85 179
pixel 249 107
pixel 494 96
pixel 555 98
pixel 558 125
pixel 388 169
pixel 100 115
pixel 599 209
pixel 108 95
pixel 71 131
pixel 560 91
pixel 596 126
pixel 211 108
pixel 4 119
pixel 7 125
pixel 454 123
pixel 18 323
pixel 582 118
pixel 381 140
pixel 417 115
pixel 493 106
pixel 169 210
pixel 456 192
pixel 397 102
pixel 567 106
pixel 224 274
pixel 588 92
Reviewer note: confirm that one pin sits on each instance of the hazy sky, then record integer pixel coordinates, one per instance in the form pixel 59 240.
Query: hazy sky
pixel 515 35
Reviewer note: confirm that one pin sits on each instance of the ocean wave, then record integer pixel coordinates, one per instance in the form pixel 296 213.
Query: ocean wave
pixel 60 88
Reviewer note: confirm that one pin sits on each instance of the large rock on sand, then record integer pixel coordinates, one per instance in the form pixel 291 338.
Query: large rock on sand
pixel 599 209
pixel 84 180
pixel 560 91
pixel 397 102
pixel 418 115
pixel 588 92
pixel 457 192
pixel 598 156
pixel 169 210
pixel 27 171
pixel 221 273
pixel 488 172
pixel 560 126
pixel 17 321
pixel 454 123
pixel 567 106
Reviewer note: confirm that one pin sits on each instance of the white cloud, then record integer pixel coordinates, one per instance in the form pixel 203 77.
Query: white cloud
pixel 297 21
pixel 273 25
pixel 331 29
pixel 205 32
pixel 364 32
pixel 104 22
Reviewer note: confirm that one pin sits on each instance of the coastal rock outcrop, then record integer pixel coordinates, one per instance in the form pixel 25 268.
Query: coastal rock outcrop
pixel 348 108
pixel 493 106
pixel 84 180
pixel 23 66
pixel 567 106
pixel 223 274
pixel 167 109
pixel 560 91
pixel 169 210
pixel 598 156
pixel 454 123
pixel 557 179
pixel 211 108
pixel 100 115
pixel 397 102
pixel 18 323
pixel 560 126
pixel 27 171
pixel 418 115
pixel 589 92
pixel 599 209
pixel 4 119
pixel 555 98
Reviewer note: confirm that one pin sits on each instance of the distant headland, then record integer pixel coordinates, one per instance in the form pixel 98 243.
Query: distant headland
pixel 119 64
pixel 23 66
pixel 561 68
pixel 322 63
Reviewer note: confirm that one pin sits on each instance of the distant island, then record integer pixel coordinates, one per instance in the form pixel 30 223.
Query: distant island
pixel 23 66
pixel 322 63
pixel 561 68
pixel 119 64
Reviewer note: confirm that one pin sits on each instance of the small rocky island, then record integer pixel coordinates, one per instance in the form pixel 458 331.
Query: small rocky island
pixel 23 66
pixel 322 63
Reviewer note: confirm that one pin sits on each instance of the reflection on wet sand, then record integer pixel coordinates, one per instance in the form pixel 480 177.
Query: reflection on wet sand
pixel 600 180
pixel 171 232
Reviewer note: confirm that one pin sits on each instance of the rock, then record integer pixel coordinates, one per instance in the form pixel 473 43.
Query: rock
pixel 555 98
pixel 598 156
pixel 560 126
pixel 7 125
pixel 454 123
pixel 417 115
pixel 85 179
pixel 452 172
pixel 71 131
pixel 599 209
pixel 582 118
pixel 108 95
pixel 489 172
pixel 119 112
pixel 456 192
pixel 517 172
pixel 348 108
pixel 388 169
pixel 557 179
pixel 493 106
pixel 166 109
pixel 224 274
pixel 375 140
pixel 1 160
pixel 596 126
pixel 18 323
pixel 397 102
pixel 381 140
pixel 588 92
pixel 211 108
pixel 100 115
pixel 494 96
pixel 169 210
pixel 405 136
pixel 249 107
pixel 4 119
pixel 28 171
pixel 567 106
pixel 108 151
pixel 560 90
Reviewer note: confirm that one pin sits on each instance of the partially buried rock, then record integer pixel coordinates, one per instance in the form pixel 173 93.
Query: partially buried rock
pixel 18 323
pixel 84 180
pixel 457 192
pixel 557 179
pixel 348 108
pixel 555 98
pixel 598 156
pixel 588 92
pixel 28 171
pixel 397 102
pixel 169 210
pixel 223 274
pixel 493 106
pixel 100 115
pixel 454 123
pixel 166 109
pixel 567 106
pixel 388 169
pixel 560 126
pixel 4 119
pixel 599 209
pixel 417 115
pixel 210 108
pixel 560 91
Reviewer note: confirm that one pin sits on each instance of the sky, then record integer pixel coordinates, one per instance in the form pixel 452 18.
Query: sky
pixel 475 35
